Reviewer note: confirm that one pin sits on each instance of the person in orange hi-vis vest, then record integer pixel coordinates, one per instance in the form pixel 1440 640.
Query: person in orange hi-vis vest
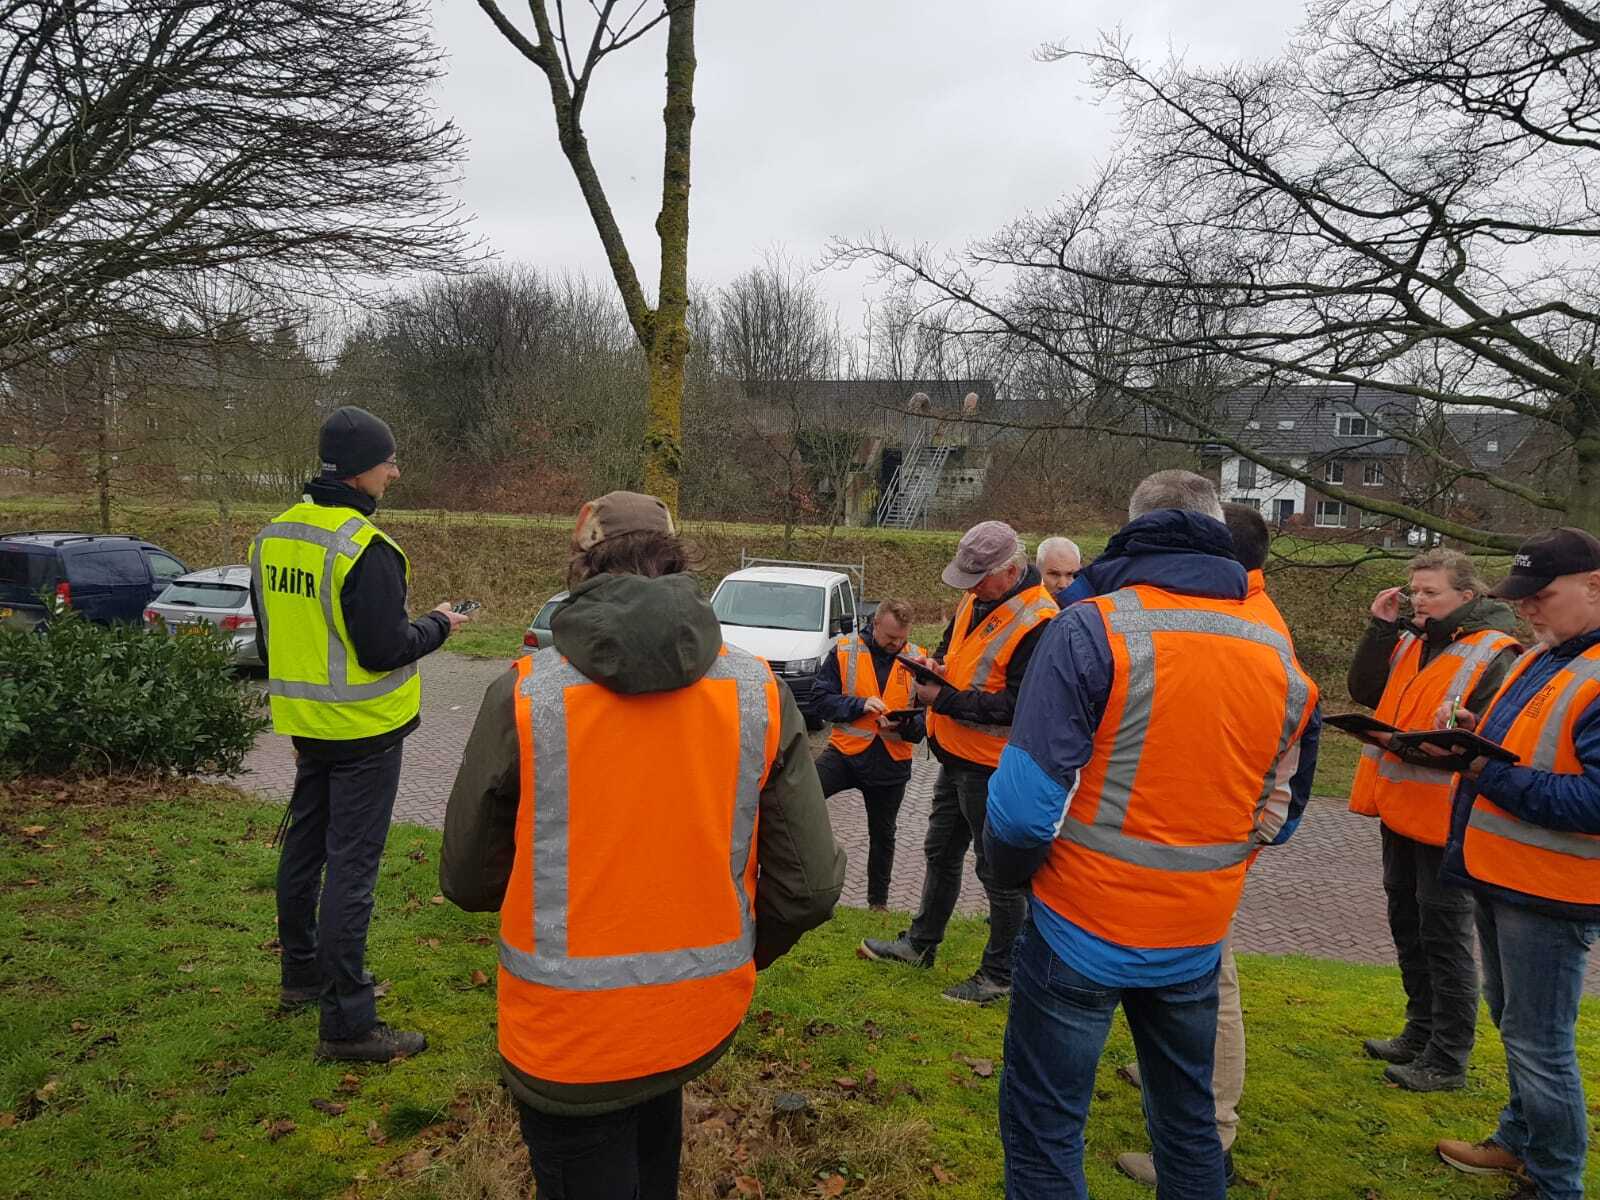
pixel 1252 542
pixel 983 657
pixel 639 804
pixel 1458 646
pixel 1525 837
pixel 860 682
pixel 1165 733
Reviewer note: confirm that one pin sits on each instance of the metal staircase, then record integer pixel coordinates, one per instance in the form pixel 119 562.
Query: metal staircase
pixel 905 503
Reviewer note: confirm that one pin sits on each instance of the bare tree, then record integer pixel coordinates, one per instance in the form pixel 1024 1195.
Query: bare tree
pixel 143 142
pixel 661 329
pixel 1409 183
pixel 779 342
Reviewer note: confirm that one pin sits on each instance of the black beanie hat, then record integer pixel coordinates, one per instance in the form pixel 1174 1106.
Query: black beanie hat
pixel 351 441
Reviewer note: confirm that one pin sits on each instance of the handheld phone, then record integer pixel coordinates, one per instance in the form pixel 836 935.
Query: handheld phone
pixel 465 607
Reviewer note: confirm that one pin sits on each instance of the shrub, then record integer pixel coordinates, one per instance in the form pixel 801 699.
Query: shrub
pixel 80 697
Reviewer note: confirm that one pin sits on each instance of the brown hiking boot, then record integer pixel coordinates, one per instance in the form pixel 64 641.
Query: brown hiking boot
pixel 1487 1157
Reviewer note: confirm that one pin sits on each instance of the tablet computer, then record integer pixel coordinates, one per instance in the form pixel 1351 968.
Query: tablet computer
pixel 921 673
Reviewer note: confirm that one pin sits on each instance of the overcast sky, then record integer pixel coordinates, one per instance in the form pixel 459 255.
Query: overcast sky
pixel 926 118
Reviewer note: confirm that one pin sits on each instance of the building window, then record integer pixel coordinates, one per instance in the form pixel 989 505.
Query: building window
pixel 1351 425
pixel 1493 446
pixel 1252 424
pixel 1330 514
pixel 1333 471
pixel 1370 520
pixel 1285 424
pixel 1372 474
pixel 1247 473
pixel 1248 502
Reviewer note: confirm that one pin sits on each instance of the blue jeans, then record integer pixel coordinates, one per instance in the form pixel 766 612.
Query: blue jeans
pixel 1054 1036
pixel 1533 979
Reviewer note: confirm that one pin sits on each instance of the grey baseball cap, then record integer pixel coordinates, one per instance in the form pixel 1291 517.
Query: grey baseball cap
pixel 983 549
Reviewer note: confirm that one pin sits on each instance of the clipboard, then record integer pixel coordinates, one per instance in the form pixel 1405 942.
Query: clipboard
pixel 921 673
pixel 1464 745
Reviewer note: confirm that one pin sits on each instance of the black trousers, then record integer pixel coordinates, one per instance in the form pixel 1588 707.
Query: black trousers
pixel 339 819
pixel 1433 932
pixel 630 1154
pixel 838 773
pixel 955 821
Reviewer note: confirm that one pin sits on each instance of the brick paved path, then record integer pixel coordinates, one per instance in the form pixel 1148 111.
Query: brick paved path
pixel 1320 895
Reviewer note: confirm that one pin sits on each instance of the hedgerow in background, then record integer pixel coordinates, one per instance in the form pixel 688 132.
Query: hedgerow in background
pixel 86 698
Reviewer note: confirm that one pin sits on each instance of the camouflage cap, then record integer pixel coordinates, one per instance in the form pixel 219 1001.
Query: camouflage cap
pixel 617 513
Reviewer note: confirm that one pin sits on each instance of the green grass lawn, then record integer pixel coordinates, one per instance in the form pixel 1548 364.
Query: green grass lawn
pixel 142 1055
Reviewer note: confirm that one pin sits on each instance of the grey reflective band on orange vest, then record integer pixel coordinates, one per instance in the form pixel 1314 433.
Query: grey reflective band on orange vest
pixel 545 687
pixel 1502 824
pixel 851 647
pixel 1397 771
pixel 1018 617
pixel 338 689
pixel 1137 626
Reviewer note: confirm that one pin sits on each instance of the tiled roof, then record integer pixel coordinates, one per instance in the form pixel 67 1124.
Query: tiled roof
pixel 1303 420
pixel 1489 436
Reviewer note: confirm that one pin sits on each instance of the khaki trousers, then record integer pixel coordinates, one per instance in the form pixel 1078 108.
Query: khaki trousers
pixel 1227 1074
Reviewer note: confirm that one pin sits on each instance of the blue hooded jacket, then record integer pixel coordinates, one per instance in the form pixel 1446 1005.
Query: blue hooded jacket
pixel 1059 710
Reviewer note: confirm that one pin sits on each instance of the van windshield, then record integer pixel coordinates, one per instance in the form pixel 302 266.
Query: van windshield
pixel 762 605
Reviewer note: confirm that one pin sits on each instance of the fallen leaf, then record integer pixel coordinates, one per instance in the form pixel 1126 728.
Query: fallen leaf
pixel 479 978
pixel 50 1088
pixel 431 943
pixel 940 1175
pixel 749 1185
pixel 983 1068
pixel 437 900
pixel 832 1185
pixel 208 1134
pixel 418 855
pixel 870 1028
pixel 330 1107
pixel 79 1026
pixel 30 883
pixel 348 1085
pixel 7 1120
pixel 376 1135
pixel 33 830
pixel 280 1128
pixel 845 1083
pixel 870 1079
pixel 186 968
pixel 412 1163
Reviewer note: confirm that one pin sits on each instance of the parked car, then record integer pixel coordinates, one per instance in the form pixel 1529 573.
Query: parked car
pixel 215 598
pixel 106 577
pixel 788 616
pixel 539 635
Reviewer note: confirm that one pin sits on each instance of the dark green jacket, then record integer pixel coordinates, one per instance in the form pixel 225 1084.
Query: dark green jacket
pixel 637 636
pixel 1369 670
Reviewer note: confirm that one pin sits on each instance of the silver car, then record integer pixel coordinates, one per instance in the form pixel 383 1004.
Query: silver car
pixel 539 635
pixel 218 597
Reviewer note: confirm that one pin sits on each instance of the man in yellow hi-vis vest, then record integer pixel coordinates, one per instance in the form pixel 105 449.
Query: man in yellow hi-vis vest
pixel 329 589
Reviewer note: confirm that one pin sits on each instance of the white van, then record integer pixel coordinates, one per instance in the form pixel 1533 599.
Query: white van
pixel 788 616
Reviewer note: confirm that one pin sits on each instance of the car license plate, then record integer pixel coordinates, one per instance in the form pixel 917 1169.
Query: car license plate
pixel 194 627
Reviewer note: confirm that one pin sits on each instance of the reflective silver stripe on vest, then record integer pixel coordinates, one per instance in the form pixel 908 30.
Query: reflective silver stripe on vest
pixel 549 964
pixel 338 688
pixel 1574 845
pixel 1018 620
pixel 1578 671
pixel 1393 769
pixel 1138 627
pixel 852 648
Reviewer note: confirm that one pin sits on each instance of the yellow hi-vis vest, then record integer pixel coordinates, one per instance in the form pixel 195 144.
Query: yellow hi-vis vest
pixel 317 686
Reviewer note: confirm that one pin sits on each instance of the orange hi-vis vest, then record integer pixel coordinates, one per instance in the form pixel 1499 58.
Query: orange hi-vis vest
pixel 628 926
pixel 858 677
pixel 1205 702
pixel 976 660
pixel 1260 607
pixel 1501 849
pixel 1414 801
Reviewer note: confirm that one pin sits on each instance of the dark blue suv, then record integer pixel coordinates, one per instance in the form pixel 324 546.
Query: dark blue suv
pixel 106 577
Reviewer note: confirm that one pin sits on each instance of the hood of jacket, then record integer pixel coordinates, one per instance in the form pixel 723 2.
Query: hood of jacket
pixel 1476 615
pixel 334 493
pixel 1170 549
pixel 635 635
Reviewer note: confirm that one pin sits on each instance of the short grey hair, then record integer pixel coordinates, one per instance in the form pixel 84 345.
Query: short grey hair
pixel 1056 543
pixel 1182 490
pixel 1019 557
